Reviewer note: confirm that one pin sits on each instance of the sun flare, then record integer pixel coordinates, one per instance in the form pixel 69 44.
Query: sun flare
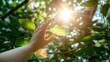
pixel 65 14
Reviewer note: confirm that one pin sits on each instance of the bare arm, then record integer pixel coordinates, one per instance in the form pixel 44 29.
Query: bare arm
pixel 38 40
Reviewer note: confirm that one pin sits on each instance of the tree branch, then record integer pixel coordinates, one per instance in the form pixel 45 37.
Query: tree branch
pixel 14 9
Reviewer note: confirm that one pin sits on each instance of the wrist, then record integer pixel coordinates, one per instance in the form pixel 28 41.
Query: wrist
pixel 33 47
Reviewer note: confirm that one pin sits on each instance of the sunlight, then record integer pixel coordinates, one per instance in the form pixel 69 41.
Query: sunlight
pixel 65 14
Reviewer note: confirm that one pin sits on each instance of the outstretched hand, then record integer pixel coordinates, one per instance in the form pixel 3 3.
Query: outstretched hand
pixel 40 38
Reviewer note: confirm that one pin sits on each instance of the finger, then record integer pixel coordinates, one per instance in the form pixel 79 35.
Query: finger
pixel 46 36
pixel 39 27
pixel 46 26
pixel 42 25
pixel 50 38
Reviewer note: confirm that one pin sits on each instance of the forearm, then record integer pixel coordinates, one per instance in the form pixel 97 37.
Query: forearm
pixel 17 55
pixel 38 40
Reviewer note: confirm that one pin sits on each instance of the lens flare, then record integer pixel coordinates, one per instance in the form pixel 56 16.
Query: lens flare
pixel 65 14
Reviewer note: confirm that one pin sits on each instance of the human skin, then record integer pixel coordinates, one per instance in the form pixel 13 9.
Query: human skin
pixel 38 40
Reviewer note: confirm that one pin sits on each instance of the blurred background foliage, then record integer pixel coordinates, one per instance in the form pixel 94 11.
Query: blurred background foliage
pixel 85 39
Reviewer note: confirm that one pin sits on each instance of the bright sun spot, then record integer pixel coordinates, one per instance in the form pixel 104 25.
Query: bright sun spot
pixel 65 14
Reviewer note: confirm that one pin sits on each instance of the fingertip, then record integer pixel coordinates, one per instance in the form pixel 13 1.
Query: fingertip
pixel 48 22
pixel 46 25
pixel 51 38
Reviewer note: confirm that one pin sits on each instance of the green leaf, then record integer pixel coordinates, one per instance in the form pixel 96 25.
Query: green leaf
pixel 21 42
pixel 108 18
pixel 27 24
pixel 104 9
pixel 95 21
pixel 84 50
pixel 1 3
pixel 100 25
pixel 55 42
pixel 60 31
pixel 88 39
pixel 98 36
pixel 108 1
pixel 98 29
pixel 15 32
pixel 41 18
pixel 78 1
pixel 92 37
pixel 87 50
pixel 89 3
pixel 14 3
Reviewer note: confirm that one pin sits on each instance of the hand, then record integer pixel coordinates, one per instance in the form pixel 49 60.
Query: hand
pixel 40 38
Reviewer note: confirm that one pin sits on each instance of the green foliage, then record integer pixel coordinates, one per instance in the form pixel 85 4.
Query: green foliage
pixel 89 40
pixel 27 24
pixel 89 3
pixel 60 31
pixel 21 42
pixel 104 9
pixel 87 50
pixel 108 1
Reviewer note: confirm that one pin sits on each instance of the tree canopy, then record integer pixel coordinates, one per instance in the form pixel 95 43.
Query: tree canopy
pixel 82 28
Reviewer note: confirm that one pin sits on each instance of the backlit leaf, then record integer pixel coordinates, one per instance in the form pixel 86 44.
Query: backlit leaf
pixel 87 39
pixel 60 31
pixel 27 24
pixel 21 42
pixel 108 1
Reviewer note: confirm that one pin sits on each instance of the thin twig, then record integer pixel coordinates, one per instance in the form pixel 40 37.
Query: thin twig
pixel 12 10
